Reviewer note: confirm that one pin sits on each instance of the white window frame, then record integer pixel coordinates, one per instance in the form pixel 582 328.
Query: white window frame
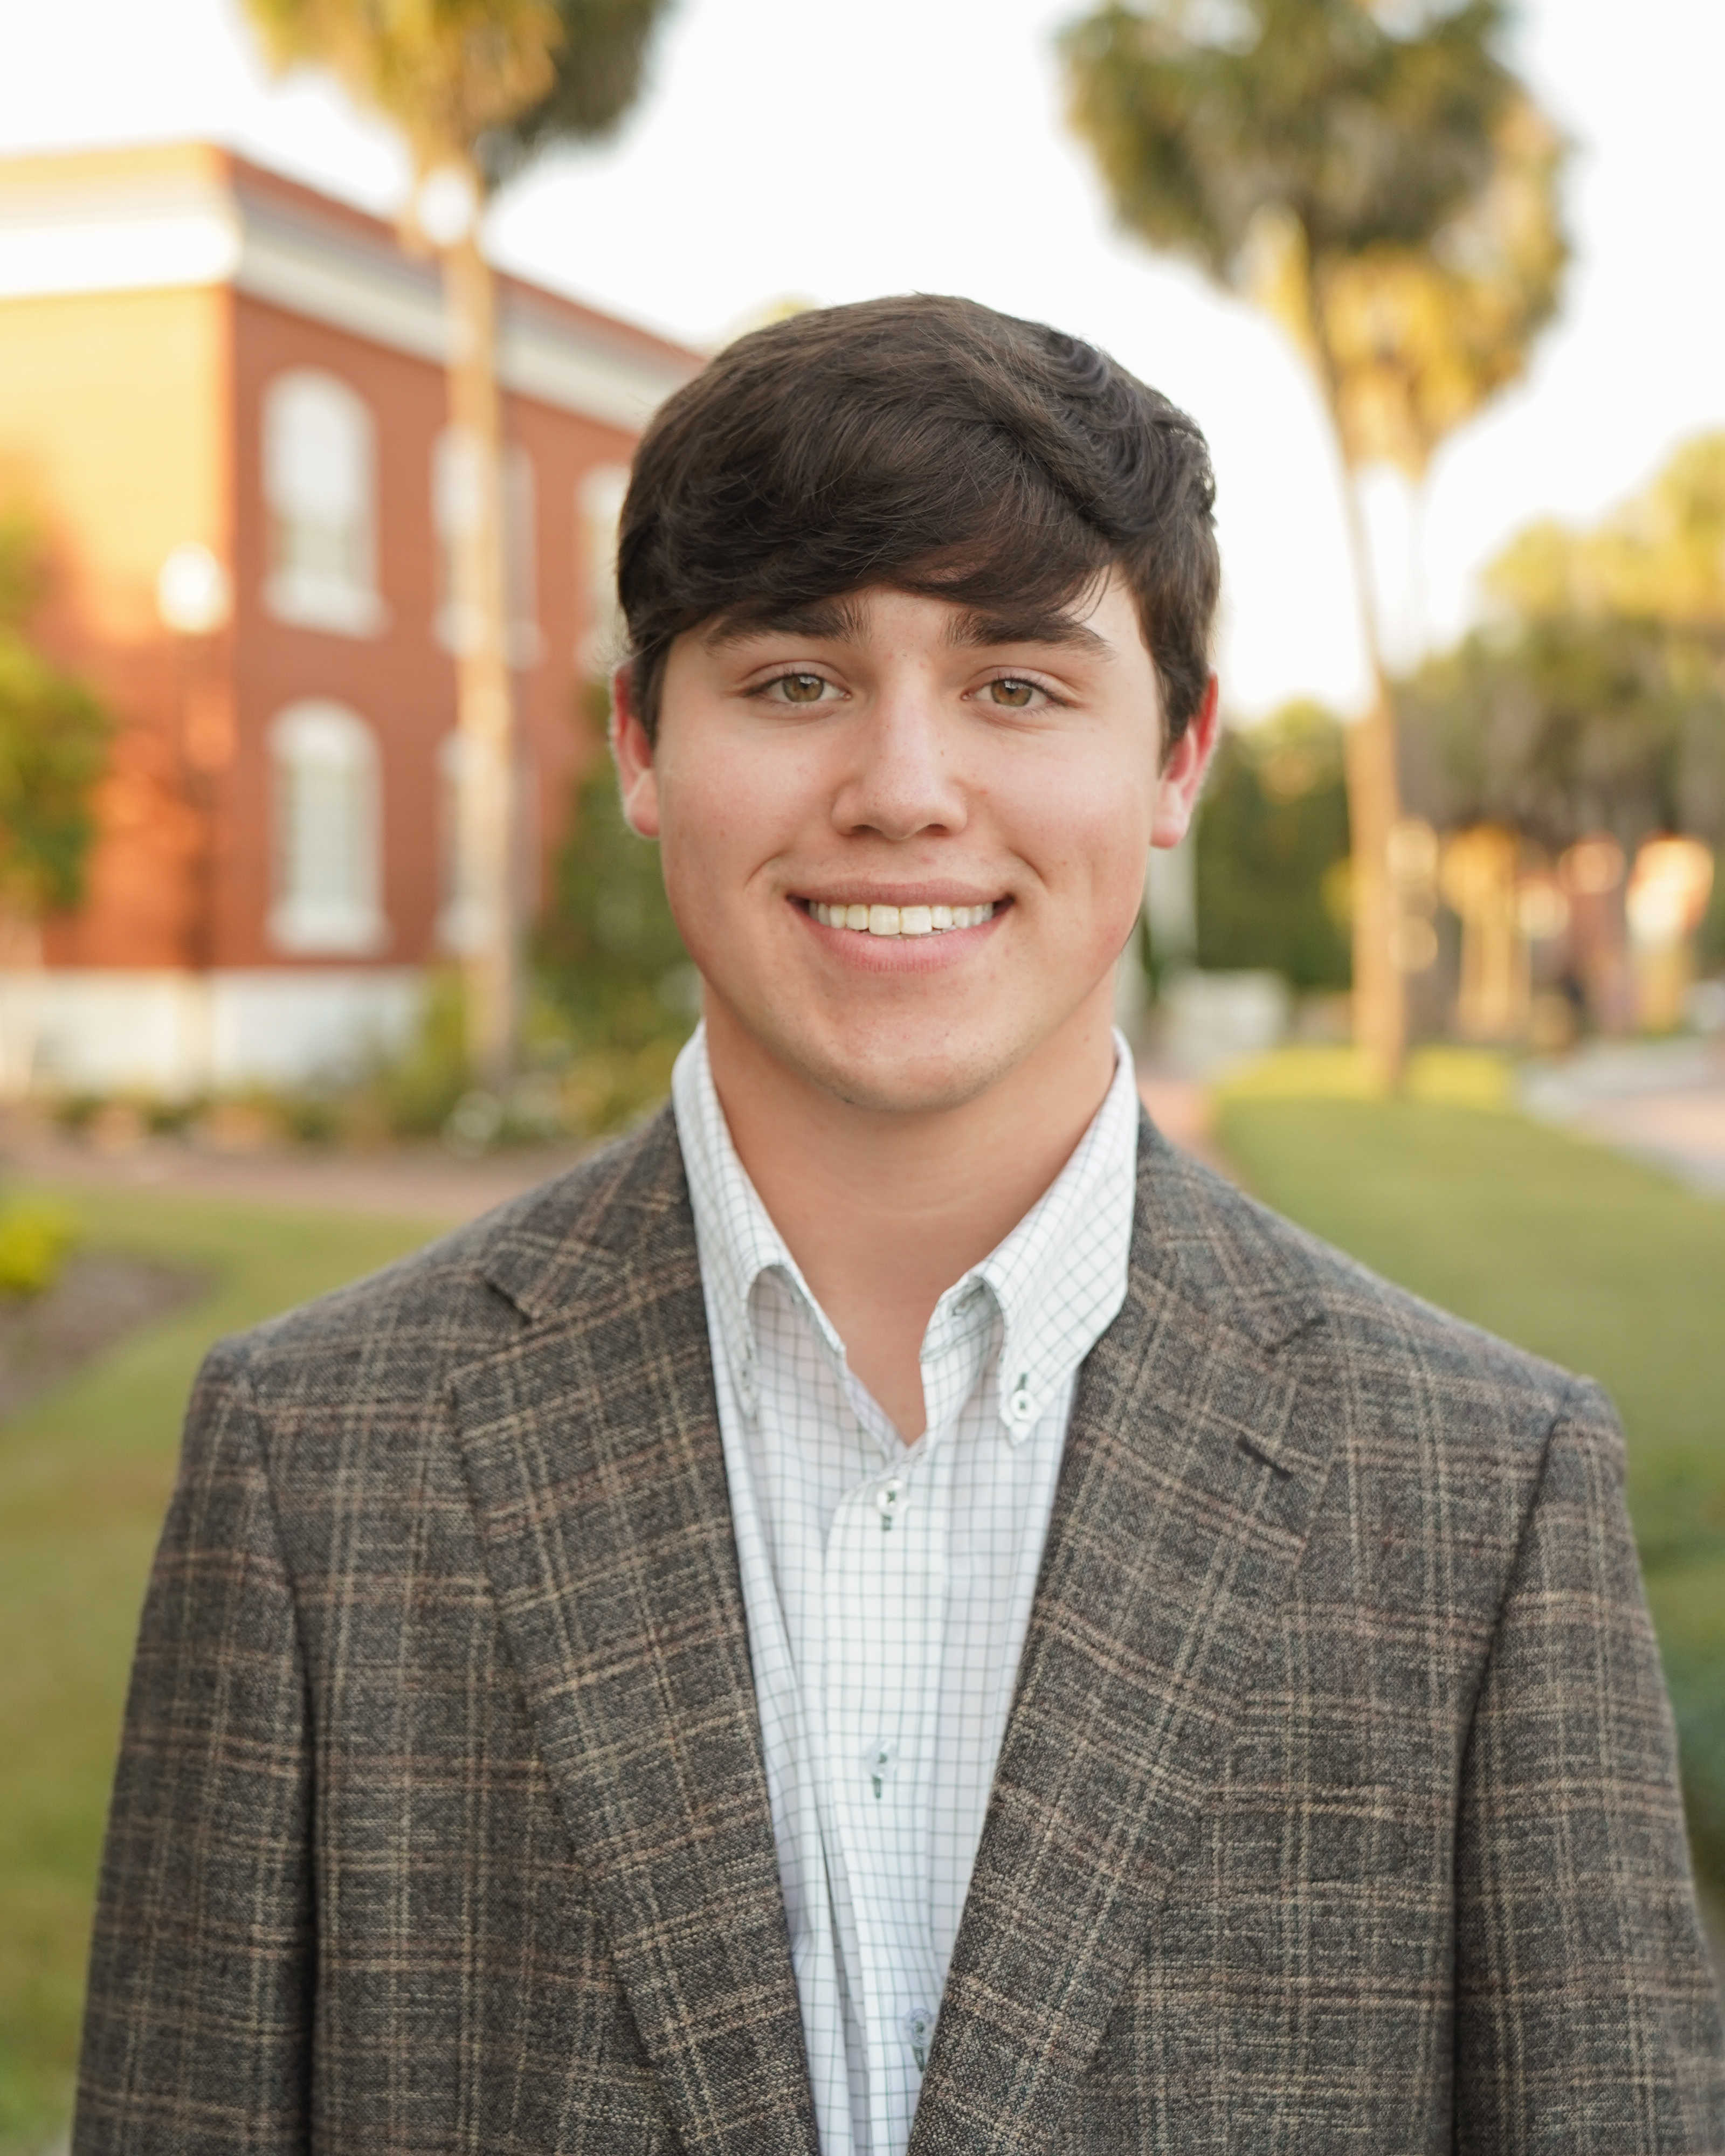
pixel 323 563
pixel 320 750
pixel 452 503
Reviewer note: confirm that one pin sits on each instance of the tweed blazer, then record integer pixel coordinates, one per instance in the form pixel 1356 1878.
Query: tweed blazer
pixel 1336 1809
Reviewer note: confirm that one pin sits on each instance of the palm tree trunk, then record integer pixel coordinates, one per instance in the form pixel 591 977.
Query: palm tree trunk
pixel 485 838
pixel 1380 997
pixel 1380 1019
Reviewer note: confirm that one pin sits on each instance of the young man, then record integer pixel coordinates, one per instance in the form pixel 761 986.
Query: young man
pixel 892 1610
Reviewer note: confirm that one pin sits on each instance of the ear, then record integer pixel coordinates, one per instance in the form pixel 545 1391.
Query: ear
pixel 634 754
pixel 1183 774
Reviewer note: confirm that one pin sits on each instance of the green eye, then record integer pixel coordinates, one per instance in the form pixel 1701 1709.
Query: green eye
pixel 802 688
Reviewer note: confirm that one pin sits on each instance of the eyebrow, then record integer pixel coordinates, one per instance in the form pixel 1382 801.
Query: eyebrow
pixel 841 621
pixel 974 629
pixel 836 621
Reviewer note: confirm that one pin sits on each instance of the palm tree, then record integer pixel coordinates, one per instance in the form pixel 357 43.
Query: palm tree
pixel 1376 178
pixel 478 88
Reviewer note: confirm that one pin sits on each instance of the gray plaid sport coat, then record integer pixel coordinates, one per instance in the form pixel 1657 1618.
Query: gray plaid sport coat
pixel 1336 1810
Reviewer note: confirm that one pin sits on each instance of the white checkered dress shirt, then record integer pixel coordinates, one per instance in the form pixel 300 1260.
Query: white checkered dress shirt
pixel 888 1587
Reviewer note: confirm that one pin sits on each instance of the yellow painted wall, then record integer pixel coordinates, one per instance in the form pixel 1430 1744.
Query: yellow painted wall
pixel 114 430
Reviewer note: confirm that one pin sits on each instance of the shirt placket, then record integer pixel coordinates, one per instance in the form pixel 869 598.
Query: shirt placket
pixel 886 1604
pixel 902 1667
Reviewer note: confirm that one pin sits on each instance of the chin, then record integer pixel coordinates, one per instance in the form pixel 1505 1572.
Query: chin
pixel 904 1077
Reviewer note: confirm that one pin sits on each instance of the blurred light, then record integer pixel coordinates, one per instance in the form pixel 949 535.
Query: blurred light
pixel 1668 891
pixel 1413 851
pixel 1414 945
pixel 1541 910
pixel 445 206
pixel 1478 870
pixel 193 595
pixel 1592 866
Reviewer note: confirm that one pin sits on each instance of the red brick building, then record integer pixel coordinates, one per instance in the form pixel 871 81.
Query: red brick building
pixel 222 397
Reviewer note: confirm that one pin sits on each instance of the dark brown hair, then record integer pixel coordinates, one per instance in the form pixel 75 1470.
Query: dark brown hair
pixel 930 444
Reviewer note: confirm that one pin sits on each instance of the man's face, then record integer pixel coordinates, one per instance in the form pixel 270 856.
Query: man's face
pixel 890 762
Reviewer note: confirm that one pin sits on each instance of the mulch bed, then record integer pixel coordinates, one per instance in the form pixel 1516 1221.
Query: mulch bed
pixel 99 1296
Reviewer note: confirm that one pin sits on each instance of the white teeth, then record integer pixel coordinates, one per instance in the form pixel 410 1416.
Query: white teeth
pixel 901 920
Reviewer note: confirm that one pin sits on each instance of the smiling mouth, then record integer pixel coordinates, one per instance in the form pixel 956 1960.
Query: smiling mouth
pixel 902 920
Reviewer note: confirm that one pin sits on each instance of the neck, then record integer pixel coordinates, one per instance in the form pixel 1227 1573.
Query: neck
pixel 882 1210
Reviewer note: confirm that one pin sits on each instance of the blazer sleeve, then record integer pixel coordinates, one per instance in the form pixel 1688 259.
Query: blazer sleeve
pixel 197 2025
pixel 1586 2015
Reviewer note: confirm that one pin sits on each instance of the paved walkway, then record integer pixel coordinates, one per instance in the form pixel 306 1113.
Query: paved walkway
pixel 1662 1100
pixel 407 1180
pixel 1181 1110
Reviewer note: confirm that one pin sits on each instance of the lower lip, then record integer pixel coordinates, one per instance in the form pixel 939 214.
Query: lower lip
pixel 903 954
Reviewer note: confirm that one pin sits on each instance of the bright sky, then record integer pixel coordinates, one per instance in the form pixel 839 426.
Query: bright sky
pixel 833 151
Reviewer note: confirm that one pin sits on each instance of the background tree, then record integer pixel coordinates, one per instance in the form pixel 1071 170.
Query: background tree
pixel 1272 848
pixel 53 749
pixel 1596 700
pixel 622 994
pixel 1659 558
pixel 54 741
pixel 1379 181
pixel 478 88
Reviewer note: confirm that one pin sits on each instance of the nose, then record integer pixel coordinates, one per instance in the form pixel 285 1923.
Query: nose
pixel 900 782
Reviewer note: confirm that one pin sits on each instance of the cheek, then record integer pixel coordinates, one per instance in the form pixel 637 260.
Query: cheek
pixel 1087 830
pixel 723 813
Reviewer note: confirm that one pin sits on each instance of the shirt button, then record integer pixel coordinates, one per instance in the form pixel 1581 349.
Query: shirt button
pixel 881 1761
pixel 919 2034
pixel 889 1499
pixel 1017 1407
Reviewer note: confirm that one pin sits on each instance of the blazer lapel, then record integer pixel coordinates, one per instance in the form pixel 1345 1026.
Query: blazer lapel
pixel 593 1455
pixel 1196 1452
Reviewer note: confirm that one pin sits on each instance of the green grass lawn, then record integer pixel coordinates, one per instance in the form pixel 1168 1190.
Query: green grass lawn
pixel 85 1474
pixel 1605 1266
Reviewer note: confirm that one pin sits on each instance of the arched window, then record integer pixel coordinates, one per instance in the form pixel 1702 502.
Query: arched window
pixel 454 505
pixel 328 857
pixel 320 483
pixel 599 509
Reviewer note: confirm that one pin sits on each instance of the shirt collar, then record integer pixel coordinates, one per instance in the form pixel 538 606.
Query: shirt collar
pixel 1060 1277
pixel 1057 1280
pixel 733 1230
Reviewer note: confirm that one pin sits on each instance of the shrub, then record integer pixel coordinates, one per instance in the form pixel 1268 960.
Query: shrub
pixel 617 995
pixel 36 1239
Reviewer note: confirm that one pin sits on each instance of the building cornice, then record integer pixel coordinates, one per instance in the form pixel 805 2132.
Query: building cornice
pixel 189 216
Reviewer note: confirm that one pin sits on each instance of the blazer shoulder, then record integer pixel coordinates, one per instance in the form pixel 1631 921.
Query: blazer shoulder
pixel 1282 1281
pixel 469 1292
